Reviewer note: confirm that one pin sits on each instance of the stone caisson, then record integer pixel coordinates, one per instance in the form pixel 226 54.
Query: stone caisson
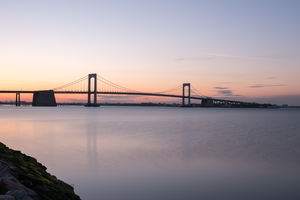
pixel 44 98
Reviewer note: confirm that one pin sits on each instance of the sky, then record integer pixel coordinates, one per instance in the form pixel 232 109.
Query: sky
pixel 238 50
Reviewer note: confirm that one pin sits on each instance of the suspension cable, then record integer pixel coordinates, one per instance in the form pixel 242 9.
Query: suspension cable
pixel 70 84
pixel 199 93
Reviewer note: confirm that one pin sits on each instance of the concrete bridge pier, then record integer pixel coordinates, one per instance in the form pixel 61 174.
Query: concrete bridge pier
pixel 207 102
pixel 18 102
pixel 189 94
pixel 44 98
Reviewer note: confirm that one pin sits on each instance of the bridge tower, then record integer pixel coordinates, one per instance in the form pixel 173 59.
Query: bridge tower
pixel 89 104
pixel 189 94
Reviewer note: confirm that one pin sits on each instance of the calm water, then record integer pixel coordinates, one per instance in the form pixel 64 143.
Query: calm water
pixel 141 153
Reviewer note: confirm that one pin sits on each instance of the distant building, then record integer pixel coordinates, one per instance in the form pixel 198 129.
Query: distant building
pixel 284 105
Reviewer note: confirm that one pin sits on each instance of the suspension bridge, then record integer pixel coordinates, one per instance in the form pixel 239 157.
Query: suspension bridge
pixel 93 85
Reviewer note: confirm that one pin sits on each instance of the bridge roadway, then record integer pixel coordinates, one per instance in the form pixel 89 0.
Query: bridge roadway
pixel 126 93
pixel 85 92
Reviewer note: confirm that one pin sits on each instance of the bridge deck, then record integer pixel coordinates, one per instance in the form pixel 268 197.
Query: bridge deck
pixel 122 93
pixel 16 91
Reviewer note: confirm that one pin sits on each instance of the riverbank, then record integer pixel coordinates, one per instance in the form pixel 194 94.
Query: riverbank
pixel 22 177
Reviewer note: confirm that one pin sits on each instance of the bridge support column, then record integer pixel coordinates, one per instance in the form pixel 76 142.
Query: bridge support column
pixel 18 102
pixel 44 98
pixel 89 104
pixel 189 94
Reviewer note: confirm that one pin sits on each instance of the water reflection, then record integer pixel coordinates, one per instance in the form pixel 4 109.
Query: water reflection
pixel 92 146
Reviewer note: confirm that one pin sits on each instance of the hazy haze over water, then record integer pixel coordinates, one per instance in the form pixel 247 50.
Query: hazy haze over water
pixel 162 153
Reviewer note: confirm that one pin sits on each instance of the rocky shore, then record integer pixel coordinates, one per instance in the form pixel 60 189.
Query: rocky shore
pixel 22 177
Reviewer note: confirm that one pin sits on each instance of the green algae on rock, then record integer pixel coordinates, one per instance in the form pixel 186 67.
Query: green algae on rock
pixel 23 175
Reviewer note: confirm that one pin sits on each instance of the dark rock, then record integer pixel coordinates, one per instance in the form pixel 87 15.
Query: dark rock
pixel 44 190
pixel 27 183
pixel 11 184
pixel 19 173
pixel 6 197
pixel 18 194
pixel 3 188
pixel 32 179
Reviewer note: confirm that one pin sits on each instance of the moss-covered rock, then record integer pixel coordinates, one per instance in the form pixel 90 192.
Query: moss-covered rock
pixel 33 175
